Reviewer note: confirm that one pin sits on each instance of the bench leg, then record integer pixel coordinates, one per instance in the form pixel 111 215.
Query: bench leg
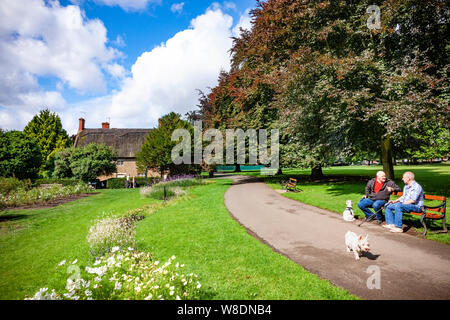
pixel 422 221
pixel 444 224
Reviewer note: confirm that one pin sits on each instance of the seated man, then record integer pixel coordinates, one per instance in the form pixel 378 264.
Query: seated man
pixel 378 191
pixel 412 200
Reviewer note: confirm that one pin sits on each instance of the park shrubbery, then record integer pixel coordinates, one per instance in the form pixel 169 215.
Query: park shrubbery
pixel 21 196
pixel 8 185
pixel 171 188
pixel 119 183
pixel 64 182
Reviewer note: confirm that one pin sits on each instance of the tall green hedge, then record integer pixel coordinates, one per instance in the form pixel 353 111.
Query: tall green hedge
pixel 119 183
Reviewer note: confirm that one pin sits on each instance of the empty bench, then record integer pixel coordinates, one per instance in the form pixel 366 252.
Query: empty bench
pixel 431 212
pixel 290 185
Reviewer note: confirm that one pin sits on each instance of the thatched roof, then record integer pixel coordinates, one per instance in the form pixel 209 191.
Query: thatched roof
pixel 127 142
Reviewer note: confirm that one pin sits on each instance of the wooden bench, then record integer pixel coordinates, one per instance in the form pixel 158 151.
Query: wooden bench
pixel 431 212
pixel 290 185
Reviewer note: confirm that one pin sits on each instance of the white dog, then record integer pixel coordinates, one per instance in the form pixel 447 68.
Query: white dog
pixel 357 244
pixel 348 212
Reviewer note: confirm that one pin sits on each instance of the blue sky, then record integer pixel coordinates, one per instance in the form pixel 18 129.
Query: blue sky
pixel 129 61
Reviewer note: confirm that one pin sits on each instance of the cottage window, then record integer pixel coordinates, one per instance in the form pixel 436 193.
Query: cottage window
pixel 120 162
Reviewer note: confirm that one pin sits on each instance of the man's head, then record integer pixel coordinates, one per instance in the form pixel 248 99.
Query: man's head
pixel 381 176
pixel 408 177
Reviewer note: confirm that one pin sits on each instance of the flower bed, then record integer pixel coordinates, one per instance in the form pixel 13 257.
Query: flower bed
pixel 22 197
pixel 125 274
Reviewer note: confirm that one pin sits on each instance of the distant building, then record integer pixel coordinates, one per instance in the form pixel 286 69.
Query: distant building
pixel 127 142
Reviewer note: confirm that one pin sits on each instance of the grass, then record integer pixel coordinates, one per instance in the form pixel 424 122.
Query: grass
pixel 198 229
pixel 348 183
pixel 230 263
pixel 33 242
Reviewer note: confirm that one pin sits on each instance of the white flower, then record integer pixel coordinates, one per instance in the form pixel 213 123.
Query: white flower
pixel 75 261
pixel 114 249
pixel 117 286
pixel 171 293
pixel 199 286
pixel 88 293
pixel 149 297
pixel 62 263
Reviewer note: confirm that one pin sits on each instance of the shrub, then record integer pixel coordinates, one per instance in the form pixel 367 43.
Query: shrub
pixel 111 232
pixel 64 182
pixel 38 195
pixel 119 183
pixel 8 185
pixel 126 274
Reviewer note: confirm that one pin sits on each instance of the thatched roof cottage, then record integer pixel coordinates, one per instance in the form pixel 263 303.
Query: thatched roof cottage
pixel 127 142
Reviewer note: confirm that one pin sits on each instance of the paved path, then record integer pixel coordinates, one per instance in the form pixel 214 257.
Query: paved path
pixel 410 267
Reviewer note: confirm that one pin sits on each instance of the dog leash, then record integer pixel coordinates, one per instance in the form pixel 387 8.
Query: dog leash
pixel 368 219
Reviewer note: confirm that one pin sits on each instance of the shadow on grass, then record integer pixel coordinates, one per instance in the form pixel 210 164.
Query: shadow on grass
pixel 12 217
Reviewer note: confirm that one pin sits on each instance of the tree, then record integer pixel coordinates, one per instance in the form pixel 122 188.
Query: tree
pixel 85 163
pixel 20 155
pixel 388 81
pixel 156 152
pixel 47 129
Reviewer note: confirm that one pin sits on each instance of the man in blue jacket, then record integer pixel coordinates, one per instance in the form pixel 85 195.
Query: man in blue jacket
pixel 412 200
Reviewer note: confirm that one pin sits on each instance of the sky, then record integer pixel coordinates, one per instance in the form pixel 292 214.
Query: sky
pixel 127 62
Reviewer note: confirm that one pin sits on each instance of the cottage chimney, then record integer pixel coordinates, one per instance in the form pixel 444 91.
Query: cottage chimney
pixel 81 122
pixel 105 125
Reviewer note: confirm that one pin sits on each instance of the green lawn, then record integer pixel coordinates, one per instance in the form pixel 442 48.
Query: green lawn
pixel 33 242
pixel 348 183
pixel 230 263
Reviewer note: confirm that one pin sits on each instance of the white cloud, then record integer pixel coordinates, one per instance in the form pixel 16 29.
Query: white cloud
pixel 244 23
pixel 166 78
pixel 229 5
pixel 116 70
pixel 162 80
pixel 45 39
pixel 128 5
pixel 177 7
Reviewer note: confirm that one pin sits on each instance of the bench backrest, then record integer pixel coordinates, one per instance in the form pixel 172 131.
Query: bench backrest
pixel 440 209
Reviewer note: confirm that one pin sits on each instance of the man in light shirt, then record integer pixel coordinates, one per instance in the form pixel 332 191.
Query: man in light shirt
pixel 412 200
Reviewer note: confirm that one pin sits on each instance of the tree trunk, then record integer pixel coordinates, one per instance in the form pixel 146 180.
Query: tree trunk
pixel 279 171
pixel 386 157
pixel 316 172
pixel 238 168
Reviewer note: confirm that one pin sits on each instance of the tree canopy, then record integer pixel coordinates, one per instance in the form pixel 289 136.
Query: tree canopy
pixel 334 86
pixel 156 152
pixel 46 128
pixel 85 163
pixel 20 155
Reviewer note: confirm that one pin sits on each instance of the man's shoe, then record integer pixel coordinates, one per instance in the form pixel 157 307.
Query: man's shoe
pixel 379 221
pixel 388 226
pixel 368 219
pixel 397 230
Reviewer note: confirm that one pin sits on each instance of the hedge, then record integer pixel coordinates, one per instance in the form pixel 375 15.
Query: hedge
pixel 119 183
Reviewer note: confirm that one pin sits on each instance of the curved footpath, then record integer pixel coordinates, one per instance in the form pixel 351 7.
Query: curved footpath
pixel 409 267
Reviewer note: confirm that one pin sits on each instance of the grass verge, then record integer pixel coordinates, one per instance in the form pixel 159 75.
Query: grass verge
pixel 230 263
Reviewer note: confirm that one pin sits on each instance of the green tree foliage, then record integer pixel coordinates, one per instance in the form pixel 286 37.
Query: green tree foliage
pixel 334 86
pixel 20 155
pixel 85 163
pixel 155 153
pixel 47 129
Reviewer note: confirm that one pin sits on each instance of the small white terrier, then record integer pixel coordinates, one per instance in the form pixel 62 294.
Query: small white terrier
pixel 348 212
pixel 357 244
